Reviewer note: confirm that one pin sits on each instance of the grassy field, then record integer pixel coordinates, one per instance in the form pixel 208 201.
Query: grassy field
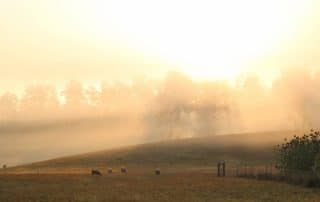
pixel 187 174
pixel 180 186
pixel 252 149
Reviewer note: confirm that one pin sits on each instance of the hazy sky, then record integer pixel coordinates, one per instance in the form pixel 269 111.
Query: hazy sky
pixel 55 41
pixel 91 40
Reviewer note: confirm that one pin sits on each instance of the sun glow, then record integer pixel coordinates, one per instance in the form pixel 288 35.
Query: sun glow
pixel 205 39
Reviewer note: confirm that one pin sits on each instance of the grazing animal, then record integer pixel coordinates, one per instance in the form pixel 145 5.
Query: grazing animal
pixel 157 171
pixel 4 166
pixel 95 172
pixel 124 170
pixel 109 170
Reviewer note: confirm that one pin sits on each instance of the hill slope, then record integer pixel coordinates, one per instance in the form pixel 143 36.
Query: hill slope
pixel 251 148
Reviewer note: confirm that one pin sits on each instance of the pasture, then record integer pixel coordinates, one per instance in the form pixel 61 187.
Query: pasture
pixel 188 173
pixel 173 186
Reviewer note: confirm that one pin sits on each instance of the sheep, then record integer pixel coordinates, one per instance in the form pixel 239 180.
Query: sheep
pixel 109 170
pixel 95 172
pixel 157 171
pixel 124 170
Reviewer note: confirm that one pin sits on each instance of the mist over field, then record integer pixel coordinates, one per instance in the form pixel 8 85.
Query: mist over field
pixel 146 100
pixel 113 114
pixel 79 76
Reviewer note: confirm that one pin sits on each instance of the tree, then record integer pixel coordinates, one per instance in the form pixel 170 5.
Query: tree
pixel 75 100
pixel 39 102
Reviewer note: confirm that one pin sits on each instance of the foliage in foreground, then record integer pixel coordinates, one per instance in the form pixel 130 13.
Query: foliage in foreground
pixel 299 153
pixel 298 159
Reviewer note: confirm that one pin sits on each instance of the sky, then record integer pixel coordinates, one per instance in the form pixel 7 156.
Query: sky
pixel 54 41
pixel 90 41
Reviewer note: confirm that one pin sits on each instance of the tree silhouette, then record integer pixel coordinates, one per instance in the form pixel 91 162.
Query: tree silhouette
pixel 39 102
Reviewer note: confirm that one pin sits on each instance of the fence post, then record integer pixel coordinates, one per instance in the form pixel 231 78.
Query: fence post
pixel 223 168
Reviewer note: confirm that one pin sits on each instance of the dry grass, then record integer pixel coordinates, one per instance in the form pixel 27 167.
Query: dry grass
pixel 205 151
pixel 187 174
pixel 135 186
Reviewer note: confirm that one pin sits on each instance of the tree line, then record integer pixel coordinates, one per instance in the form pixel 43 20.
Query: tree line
pixel 177 102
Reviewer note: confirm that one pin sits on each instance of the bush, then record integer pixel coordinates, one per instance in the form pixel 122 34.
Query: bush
pixel 299 159
pixel 316 167
pixel 300 153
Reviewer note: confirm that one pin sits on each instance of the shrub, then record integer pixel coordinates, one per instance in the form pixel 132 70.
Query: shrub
pixel 299 153
pixel 316 167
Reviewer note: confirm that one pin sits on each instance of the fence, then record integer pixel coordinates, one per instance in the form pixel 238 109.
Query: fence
pixel 309 178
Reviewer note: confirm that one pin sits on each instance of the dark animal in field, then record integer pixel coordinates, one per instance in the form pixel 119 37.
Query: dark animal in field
pixel 4 166
pixel 157 171
pixel 124 170
pixel 109 170
pixel 95 172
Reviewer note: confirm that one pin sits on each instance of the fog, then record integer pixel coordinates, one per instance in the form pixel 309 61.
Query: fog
pixel 45 122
